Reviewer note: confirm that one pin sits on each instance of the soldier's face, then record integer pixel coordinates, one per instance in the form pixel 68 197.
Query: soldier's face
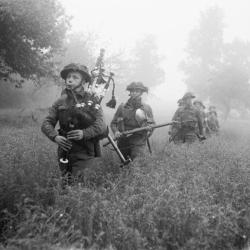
pixel 135 93
pixel 187 101
pixel 74 80
pixel 198 106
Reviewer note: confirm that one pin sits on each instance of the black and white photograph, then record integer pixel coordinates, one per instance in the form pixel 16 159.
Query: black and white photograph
pixel 124 125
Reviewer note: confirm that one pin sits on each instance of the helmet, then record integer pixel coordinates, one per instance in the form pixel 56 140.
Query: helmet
pixel 199 102
pixel 76 67
pixel 180 101
pixel 188 95
pixel 212 108
pixel 137 85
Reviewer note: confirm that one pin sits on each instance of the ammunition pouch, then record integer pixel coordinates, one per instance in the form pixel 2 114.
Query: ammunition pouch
pixel 188 125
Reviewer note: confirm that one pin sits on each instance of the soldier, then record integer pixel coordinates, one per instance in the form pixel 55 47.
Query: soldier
pixel 189 118
pixel 172 130
pixel 201 108
pixel 80 125
pixel 180 102
pixel 133 114
pixel 212 121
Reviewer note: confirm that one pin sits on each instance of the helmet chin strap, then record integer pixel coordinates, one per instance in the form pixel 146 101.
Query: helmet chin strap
pixel 135 97
pixel 81 84
pixel 73 91
pixel 77 86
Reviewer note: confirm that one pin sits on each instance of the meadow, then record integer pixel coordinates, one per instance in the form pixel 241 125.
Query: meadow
pixel 180 197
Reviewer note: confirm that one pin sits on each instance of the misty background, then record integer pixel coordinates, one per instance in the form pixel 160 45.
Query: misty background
pixel 172 47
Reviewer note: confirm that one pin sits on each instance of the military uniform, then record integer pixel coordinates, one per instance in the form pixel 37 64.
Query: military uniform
pixel 180 103
pixel 125 119
pixel 188 118
pixel 83 152
pixel 201 108
pixel 212 121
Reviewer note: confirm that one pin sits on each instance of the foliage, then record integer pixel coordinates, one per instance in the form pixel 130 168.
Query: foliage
pixel 217 71
pixel 232 78
pixel 193 197
pixel 80 47
pixel 11 97
pixel 141 63
pixel 204 50
pixel 146 65
pixel 32 32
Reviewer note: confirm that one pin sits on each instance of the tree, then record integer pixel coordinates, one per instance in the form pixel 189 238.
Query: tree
pixel 204 51
pixel 216 71
pixel 32 32
pixel 229 87
pixel 146 66
pixel 80 47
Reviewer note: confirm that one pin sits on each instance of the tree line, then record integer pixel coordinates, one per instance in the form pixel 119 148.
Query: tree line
pixel 36 41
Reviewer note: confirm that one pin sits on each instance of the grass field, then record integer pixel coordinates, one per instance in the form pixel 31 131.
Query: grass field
pixel 195 197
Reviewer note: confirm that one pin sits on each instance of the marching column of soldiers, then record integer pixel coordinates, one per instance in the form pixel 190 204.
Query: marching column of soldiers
pixel 82 125
pixel 192 122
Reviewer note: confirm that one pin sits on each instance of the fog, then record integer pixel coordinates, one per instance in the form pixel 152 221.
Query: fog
pixel 120 27
pixel 120 24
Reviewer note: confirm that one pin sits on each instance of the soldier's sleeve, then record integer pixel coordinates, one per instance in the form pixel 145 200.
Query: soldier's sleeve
pixel 98 128
pixel 175 118
pixel 199 119
pixel 50 121
pixel 150 117
pixel 114 122
pixel 217 123
pixel 176 115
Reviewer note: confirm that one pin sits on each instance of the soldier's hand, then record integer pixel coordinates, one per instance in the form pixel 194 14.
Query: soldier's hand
pixel 118 134
pixel 75 135
pixel 149 131
pixel 202 138
pixel 63 142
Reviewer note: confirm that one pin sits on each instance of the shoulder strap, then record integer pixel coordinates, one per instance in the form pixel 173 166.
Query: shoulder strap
pixel 122 109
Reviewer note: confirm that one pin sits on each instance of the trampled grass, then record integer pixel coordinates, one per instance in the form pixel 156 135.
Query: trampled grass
pixel 195 197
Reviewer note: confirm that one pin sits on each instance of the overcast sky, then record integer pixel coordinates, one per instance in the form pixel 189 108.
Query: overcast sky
pixel 120 23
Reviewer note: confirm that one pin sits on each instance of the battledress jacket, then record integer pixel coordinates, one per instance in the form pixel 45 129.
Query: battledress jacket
pixel 212 122
pixel 203 121
pixel 124 119
pixel 89 146
pixel 189 118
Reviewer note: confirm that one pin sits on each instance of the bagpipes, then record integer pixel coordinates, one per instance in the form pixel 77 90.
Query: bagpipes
pixel 99 84
pixel 82 115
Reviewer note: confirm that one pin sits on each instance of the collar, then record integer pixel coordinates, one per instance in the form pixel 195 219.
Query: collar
pixel 80 93
pixel 134 103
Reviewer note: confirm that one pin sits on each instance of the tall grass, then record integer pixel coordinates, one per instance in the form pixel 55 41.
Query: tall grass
pixel 195 197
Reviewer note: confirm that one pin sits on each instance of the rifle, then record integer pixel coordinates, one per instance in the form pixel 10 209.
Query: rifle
pixel 172 136
pixel 117 150
pixel 146 128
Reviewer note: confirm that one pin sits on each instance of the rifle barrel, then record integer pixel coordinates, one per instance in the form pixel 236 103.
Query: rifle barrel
pixel 132 131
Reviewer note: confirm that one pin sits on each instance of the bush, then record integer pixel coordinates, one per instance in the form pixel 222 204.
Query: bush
pixel 195 197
